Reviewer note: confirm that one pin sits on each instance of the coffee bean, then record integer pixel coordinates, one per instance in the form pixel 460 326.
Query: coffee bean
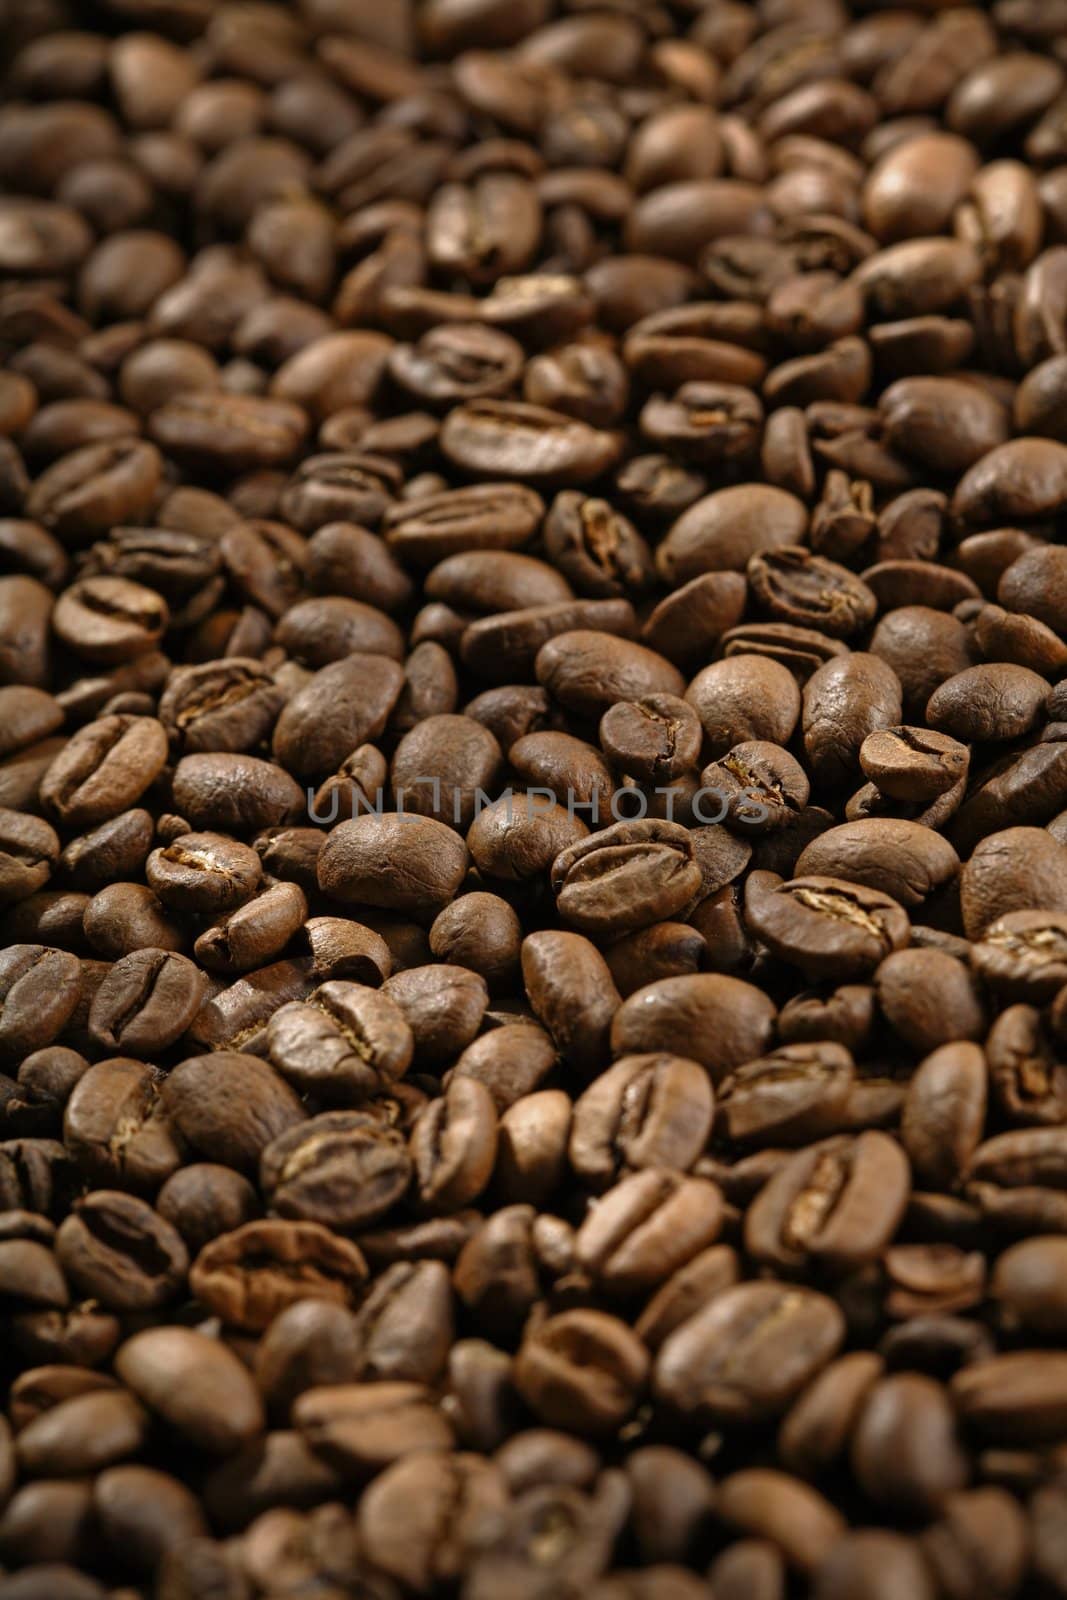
pixel 246 1277
pixel 229 1106
pixel 748 1352
pixel 234 791
pixel 588 671
pixel 823 925
pixel 504 439
pixel 453 1146
pixel 203 1200
pixel 724 1020
pixel 29 850
pixel 649 1220
pixel 116 1129
pixel 1017 1398
pixel 344 1042
pixel 195 1384
pixel 146 1002
pixel 40 988
pixel 116 1250
pixel 395 861
pixel 229 432
pixel 454 1494
pixel 108 620
pixel 103 769
pixel 626 876
pixel 582 1369
pixel 361 1428
pixel 840 1202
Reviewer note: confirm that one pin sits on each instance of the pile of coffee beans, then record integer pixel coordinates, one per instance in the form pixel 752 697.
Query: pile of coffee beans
pixel 533 800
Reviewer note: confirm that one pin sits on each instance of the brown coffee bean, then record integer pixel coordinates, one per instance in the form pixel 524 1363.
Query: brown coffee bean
pixel 1020 869
pixel 195 1384
pixel 229 433
pixel 146 1002
pixel 1017 1398
pixel 229 1106
pixel 345 1041
pixel 96 488
pixel 204 1200
pixel 107 620
pixel 742 699
pixel 569 987
pixel 727 1021
pixel 41 988
pixel 902 859
pixel 905 1450
pixel 104 768
pixel 362 1428
pixel 824 926
pixel 115 1127
pixel 840 1202
pixel 748 1352
pixel 29 850
pixel 913 764
pixel 248 1276
pixel 873 1563
pixel 645 1111
pixel 82 1434
pixel 798 1093
pixel 626 876
pixel 582 1369
pixel 255 933
pixel 453 1146
pixel 116 1250
pixel 649 1221
pixel 397 861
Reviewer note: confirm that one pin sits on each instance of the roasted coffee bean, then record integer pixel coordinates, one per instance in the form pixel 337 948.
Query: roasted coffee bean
pixel 742 699
pixel 41 988
pixel 344 1169
pixel 505 439
pixel 29 851
pixel 453 1146
pixel 195 1384
pixel 114 850
pixel 255 933
pixel 596 547
pixel 361 1428
pixel 724 1020
pixel 203 872
pixel 104 768
pixel 1019 869
pixel 146 1002
pixel 821 1204
pixel 115 1125
pixel 344 1042
pixel 645 1111
pixel 248 1276
pixel 651 1216
pixel 229 1106
pixel 533 800
pixel 396 861
pixel 116 1250
pixel 626 876
pixel 107 620
pixel 748 1352
pixel 234 791
pixel 204 1200
pixel 584 1367
pixel 760 785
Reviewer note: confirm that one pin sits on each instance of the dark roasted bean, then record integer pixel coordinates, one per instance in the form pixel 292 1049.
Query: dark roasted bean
pixel 533 800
